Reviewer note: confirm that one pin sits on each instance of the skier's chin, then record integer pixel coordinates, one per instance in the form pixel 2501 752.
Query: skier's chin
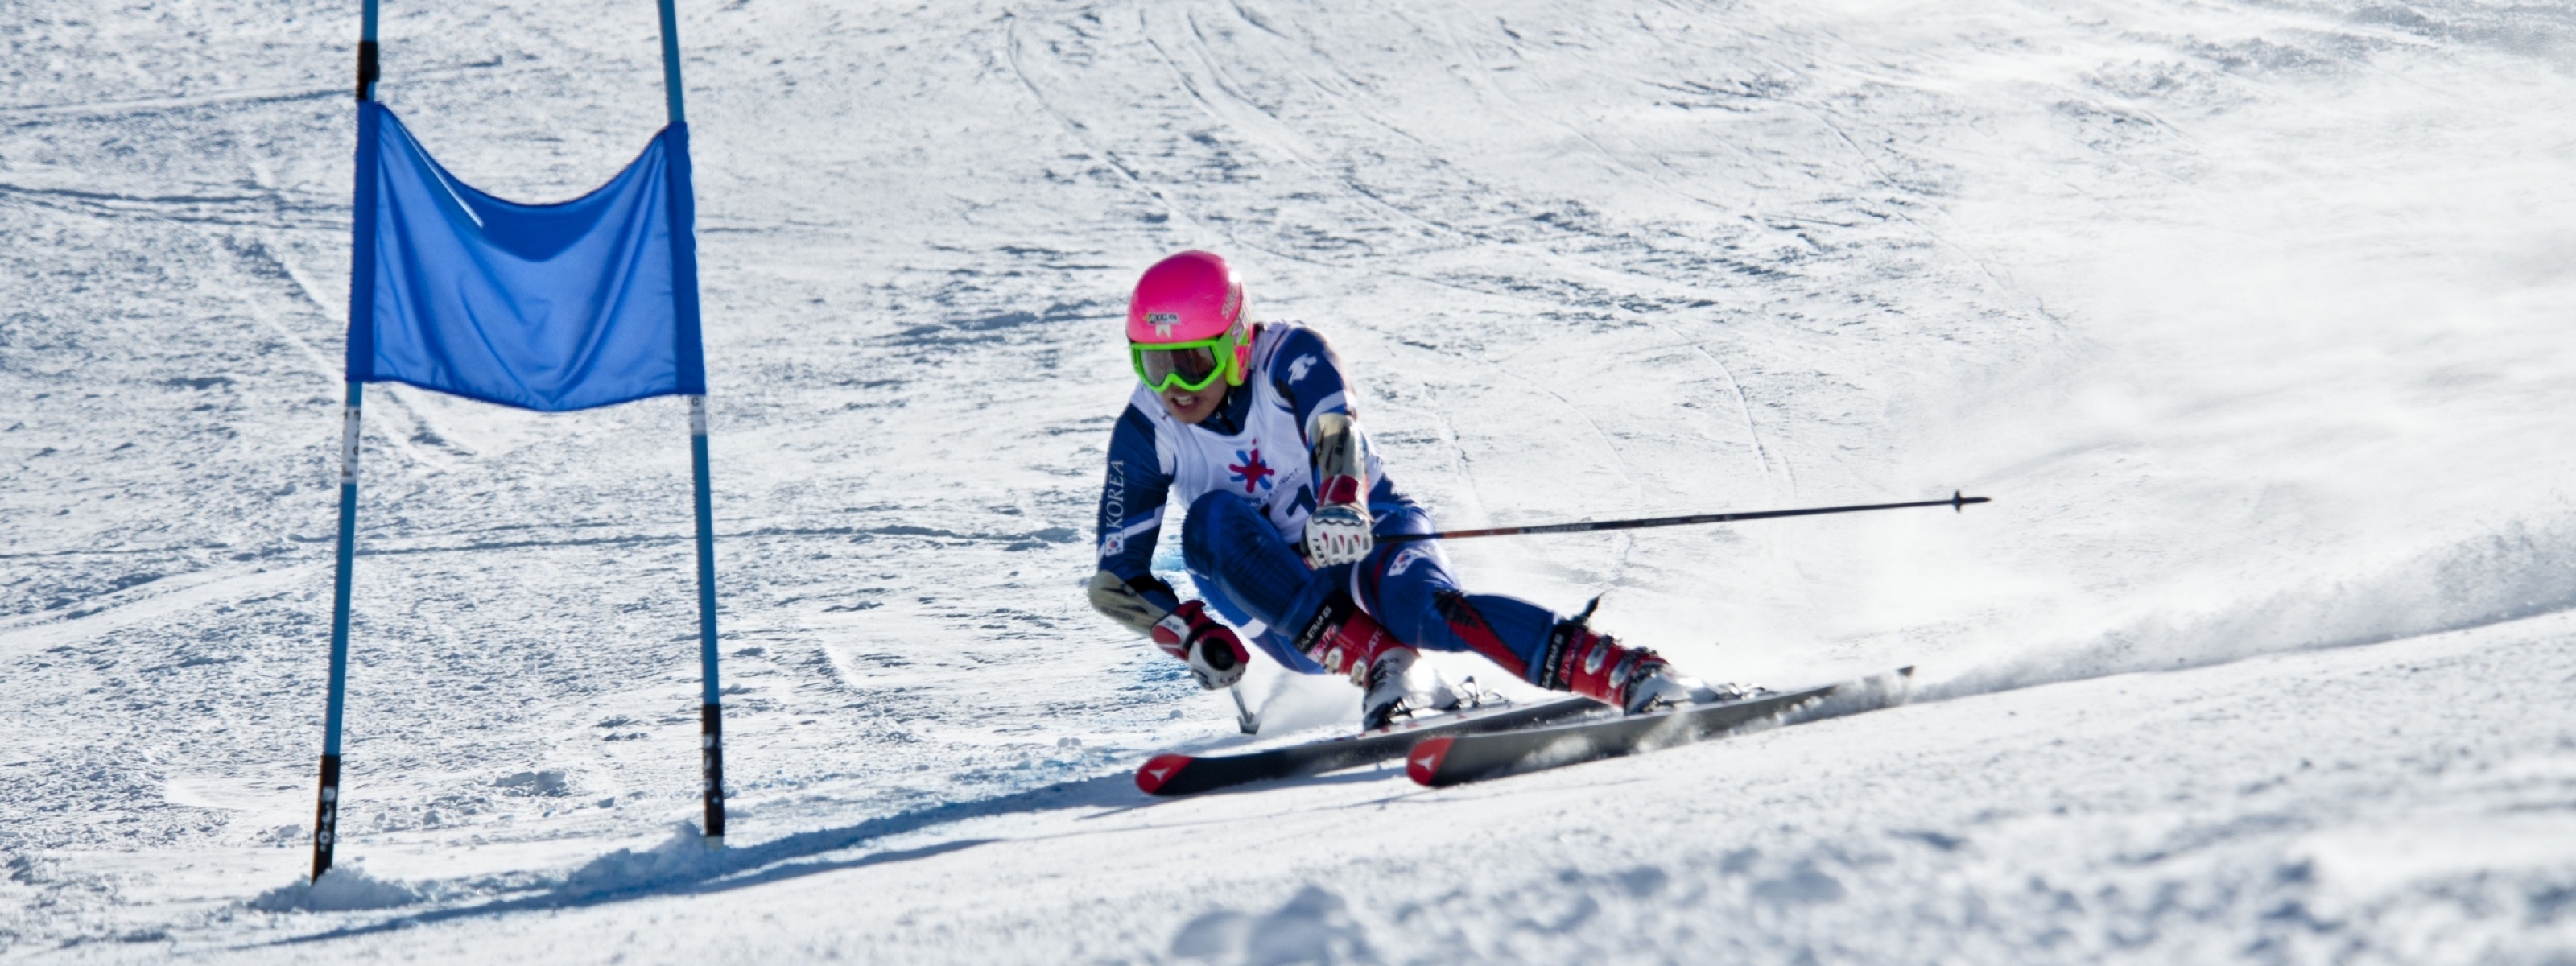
pixel 1190 407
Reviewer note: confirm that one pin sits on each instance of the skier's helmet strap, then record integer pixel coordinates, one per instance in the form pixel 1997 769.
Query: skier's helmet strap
pixel 1189 298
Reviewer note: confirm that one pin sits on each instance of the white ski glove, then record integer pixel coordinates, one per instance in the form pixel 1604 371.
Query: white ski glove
pixel 1337 533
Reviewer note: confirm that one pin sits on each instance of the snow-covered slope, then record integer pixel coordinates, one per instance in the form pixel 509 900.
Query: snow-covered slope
pixel 2247 315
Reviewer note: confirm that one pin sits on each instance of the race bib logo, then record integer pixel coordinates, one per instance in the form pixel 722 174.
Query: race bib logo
pixel 1250 471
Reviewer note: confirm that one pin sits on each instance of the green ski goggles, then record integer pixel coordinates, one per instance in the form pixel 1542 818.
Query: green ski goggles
pixel 1186 366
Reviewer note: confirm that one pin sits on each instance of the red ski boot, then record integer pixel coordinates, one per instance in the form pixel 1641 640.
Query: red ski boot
pixel 1632 679
pixel 1346 640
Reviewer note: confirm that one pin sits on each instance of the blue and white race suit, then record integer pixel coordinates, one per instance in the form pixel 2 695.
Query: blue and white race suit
pixel 1245 474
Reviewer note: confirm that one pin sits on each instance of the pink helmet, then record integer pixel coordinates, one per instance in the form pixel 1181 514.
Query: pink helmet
pixel 1192 297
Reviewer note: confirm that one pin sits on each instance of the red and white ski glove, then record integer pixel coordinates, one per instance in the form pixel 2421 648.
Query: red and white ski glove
pixel 1214 654
pixel 1337 533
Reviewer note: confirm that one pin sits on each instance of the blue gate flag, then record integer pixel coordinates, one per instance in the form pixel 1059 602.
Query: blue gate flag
pixel 585 303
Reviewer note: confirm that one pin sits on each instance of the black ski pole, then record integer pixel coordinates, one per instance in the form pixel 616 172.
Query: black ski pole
pixel 1955 502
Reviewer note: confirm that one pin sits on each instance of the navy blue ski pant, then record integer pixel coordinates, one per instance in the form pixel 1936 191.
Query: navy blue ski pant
pixel 1247 571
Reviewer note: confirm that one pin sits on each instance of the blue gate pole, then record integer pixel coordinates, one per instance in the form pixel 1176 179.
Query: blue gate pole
pixel 710 707
pixel 326 815
pixel 671 62
pixel 710 711
pixel 326 808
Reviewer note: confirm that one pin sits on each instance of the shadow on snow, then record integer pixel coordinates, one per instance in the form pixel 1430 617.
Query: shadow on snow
pixel 682 865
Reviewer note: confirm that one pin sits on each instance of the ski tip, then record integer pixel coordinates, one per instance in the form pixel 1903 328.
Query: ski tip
pixel 1151 778
pixel 1424 762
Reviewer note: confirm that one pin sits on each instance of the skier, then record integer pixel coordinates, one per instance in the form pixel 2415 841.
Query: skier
pixel 1252 425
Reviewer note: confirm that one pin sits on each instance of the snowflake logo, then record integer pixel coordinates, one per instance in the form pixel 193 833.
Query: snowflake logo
pixel 1251 471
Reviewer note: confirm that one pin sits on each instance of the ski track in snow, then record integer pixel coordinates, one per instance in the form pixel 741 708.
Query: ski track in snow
pixel 2247 315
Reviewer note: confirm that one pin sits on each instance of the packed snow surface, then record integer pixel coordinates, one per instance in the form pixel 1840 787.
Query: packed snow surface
pixel 2250 316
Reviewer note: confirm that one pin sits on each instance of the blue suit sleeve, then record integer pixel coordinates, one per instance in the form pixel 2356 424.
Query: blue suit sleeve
pixel 1307 374
pixel 1131 507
